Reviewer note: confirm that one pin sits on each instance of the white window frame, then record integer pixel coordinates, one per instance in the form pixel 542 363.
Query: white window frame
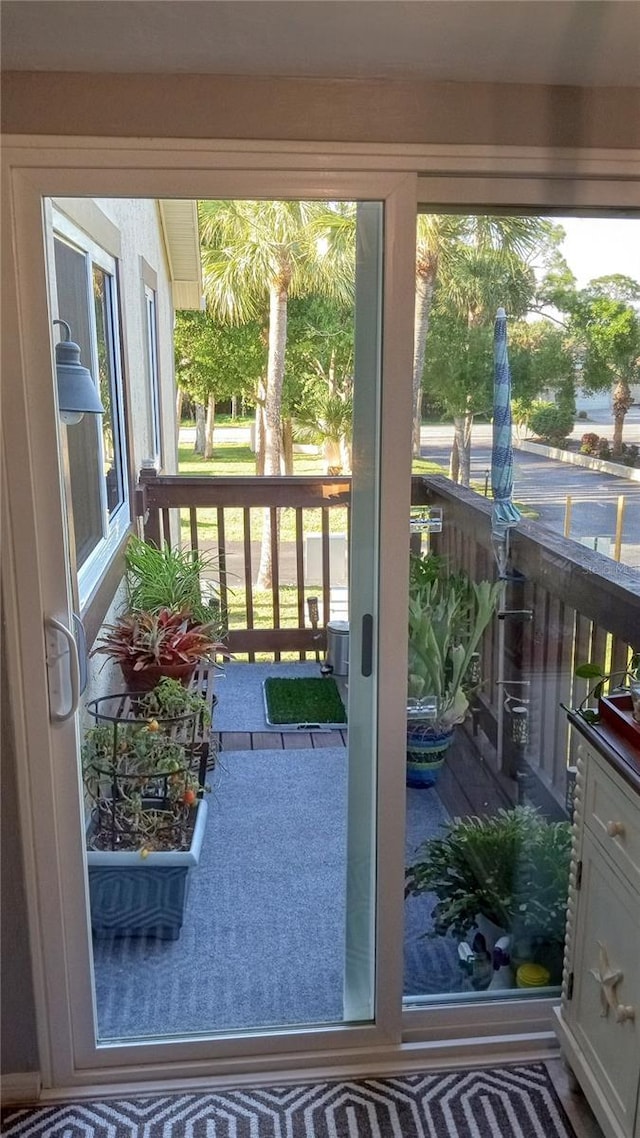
pixel 37 167
pixel 114 526
pixel 153 375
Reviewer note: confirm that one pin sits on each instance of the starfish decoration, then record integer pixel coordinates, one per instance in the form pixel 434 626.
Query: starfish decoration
pixel 607 978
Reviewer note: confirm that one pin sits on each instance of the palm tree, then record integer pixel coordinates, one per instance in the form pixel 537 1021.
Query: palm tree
pixel 254 250
pixel 443 242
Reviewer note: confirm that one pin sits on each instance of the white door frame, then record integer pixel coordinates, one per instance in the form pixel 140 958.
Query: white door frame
pixel 36 167
pixel 57 898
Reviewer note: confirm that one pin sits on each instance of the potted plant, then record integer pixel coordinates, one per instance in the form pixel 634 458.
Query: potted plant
pixel 509 872
pixel 150 645
pixel 171 578
pixel 146 818
pixel 626 681
pixel 448 615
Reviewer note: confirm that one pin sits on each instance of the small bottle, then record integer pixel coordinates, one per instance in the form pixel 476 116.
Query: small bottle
pixel 502 971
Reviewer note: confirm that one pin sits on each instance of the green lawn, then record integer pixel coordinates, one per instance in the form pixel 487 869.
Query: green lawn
pixel 230 459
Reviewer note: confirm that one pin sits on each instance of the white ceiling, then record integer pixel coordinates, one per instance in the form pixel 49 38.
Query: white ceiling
pixel 578 42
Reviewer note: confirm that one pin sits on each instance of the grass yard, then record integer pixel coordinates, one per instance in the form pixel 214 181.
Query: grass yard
pixel 233 460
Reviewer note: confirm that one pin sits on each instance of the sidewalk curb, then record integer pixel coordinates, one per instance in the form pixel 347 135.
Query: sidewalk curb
pixel 601 464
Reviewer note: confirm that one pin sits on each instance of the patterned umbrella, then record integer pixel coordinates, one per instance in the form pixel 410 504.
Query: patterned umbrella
pixel 505 514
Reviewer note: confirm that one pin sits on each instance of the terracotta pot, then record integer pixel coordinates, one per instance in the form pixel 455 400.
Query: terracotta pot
pixel 146 678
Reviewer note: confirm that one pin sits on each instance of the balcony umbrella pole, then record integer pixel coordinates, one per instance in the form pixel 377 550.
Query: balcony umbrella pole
pixel 504 514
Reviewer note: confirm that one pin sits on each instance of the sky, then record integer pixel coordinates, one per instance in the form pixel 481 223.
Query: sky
pixel 595 247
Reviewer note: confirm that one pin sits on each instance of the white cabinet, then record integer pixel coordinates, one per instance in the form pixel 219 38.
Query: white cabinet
pixel 598 1023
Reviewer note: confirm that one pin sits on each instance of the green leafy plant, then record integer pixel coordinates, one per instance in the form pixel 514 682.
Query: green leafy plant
pixel 141 639
pixel 169 699
pixel 170 578
pixel 612 680
pixel 511 868
pixel 140 786
pixel 448 615
pixel 550 421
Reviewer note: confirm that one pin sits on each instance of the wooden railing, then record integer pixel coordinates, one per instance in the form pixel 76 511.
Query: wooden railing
pixel 582 606
pixel 173 508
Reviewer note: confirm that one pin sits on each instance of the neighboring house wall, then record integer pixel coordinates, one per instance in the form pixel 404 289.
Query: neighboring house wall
pixel 207 107
pixel 139 224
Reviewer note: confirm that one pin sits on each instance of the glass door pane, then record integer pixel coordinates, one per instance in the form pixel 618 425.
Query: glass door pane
pixel 491 639
pixel 230 864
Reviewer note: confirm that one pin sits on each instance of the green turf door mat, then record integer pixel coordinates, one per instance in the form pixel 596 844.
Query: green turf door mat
pixel 303 705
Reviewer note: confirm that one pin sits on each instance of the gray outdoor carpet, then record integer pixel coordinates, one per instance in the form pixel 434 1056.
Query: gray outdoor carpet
pixel 430 963
pixel 263 940
pixel 506 1102
pixel 240 705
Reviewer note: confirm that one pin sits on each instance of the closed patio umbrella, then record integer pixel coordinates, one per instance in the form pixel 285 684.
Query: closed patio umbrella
pixel 504 514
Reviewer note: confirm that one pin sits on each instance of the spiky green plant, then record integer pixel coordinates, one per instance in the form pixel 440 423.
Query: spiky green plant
pixel 448 615
pixel 170 577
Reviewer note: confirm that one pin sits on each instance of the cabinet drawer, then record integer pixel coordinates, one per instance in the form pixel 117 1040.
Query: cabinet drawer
pixel 604 1014
pixel 611 814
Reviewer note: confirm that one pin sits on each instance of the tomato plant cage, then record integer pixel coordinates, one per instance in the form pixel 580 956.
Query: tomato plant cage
pixel 144 779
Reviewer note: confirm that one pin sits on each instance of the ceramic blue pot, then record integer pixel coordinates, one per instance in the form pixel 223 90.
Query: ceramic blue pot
pixel 426 749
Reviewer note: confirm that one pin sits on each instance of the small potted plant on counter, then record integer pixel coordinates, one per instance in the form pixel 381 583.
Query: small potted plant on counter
pixel 147 816
pixel 625 683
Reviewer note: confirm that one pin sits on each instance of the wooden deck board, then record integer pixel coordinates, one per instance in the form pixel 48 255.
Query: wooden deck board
pixel 467 785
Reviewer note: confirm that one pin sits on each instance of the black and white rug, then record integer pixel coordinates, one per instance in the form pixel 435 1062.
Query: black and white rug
pixel 507 1102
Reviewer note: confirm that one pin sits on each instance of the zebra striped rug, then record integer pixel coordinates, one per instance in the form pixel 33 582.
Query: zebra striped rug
pixel 506 1102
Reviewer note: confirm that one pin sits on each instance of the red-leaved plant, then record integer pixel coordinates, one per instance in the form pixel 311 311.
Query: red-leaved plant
pixel 144 639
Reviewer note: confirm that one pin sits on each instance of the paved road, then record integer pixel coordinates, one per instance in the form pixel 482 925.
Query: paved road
pixel 544 484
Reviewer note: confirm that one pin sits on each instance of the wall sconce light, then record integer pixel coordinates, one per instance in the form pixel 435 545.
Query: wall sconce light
pixel 77 393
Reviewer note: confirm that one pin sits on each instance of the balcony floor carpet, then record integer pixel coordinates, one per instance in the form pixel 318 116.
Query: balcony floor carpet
pixel 239 691
pixel 505 1102
pixel 263 938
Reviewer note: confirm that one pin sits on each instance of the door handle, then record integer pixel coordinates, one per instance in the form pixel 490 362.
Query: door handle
pixel 366 655
pixel 54 629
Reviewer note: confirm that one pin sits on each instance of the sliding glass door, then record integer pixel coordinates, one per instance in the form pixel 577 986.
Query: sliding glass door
pixel 276 924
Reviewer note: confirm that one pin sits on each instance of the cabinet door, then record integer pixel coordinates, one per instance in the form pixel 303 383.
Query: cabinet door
pixel 605 1007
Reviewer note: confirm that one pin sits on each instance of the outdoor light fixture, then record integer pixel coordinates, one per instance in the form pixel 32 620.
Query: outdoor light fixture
pixel 520 725
pixel 77 393
pixel 474 671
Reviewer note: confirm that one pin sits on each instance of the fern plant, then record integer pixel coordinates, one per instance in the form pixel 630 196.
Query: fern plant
pixel 511 867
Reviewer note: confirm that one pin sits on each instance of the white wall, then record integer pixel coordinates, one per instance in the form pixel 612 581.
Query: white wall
pixel 130 230
pixel 139 225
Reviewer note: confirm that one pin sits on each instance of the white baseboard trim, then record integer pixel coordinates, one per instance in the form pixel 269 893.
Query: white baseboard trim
pixel 20 1089
pixel 378 1063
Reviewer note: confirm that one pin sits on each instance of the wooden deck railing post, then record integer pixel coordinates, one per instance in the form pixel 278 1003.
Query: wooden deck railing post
pixel 151 517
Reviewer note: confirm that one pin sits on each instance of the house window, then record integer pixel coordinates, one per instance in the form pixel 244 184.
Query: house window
pixel 87 298
pixel 153 377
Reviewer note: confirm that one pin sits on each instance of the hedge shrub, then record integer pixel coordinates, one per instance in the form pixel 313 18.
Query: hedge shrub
pixel 550 422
